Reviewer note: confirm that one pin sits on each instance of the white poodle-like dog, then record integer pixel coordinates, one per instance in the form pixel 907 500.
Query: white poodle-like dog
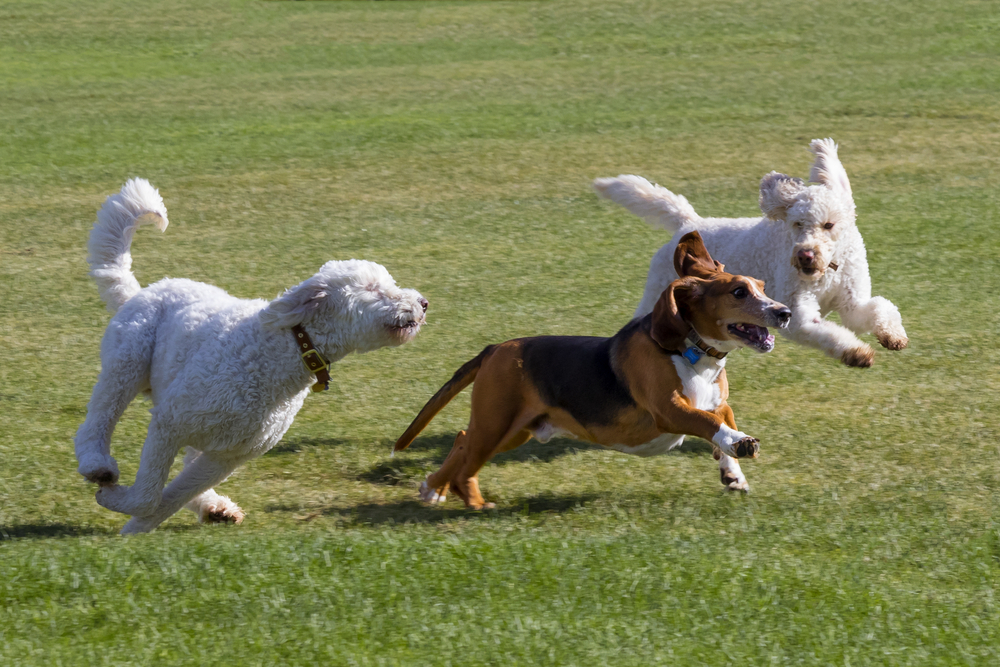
pixel 225 375
pixel 806 248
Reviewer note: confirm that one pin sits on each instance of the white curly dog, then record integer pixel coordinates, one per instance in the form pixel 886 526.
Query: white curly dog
pixel 807 249
pixel 225 375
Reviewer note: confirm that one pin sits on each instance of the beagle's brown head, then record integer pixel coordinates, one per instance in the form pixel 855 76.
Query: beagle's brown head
pixel 727 311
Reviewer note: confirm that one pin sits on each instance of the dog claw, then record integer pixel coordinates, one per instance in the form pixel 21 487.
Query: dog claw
pixel 747 448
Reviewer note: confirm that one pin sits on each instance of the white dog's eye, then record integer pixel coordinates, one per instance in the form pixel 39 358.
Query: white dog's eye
pixel 828 226
pixel 797 225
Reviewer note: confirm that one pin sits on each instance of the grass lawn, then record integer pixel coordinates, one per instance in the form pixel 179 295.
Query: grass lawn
pixel 454 142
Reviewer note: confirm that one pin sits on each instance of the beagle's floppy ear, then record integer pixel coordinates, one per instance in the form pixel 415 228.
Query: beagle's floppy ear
pixel 691 258
pixel 668 328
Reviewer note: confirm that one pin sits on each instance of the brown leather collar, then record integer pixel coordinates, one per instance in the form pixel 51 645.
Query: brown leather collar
pixel 696 340
pixel 313 360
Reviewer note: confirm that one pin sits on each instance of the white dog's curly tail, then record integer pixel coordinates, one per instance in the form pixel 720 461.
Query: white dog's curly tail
pixel 653 203
pixel 138 204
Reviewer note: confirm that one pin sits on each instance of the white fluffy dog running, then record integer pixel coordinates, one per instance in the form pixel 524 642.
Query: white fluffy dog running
pixel 225 375
pixel 807 249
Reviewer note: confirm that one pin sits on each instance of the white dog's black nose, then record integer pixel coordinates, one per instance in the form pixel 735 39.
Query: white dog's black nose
pixel 424 303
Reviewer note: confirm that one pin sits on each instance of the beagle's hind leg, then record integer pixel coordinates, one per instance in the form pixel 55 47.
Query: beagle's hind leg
pixel 465 481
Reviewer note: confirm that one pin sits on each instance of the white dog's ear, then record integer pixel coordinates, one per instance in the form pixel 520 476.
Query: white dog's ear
pixel 778 193
pixel 295 305
pixel 827 168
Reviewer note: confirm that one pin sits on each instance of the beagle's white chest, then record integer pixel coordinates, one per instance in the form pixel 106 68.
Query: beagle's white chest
pixel 699 381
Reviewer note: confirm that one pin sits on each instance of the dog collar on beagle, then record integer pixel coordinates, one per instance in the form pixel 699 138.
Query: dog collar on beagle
pixel 697 347
pixel 313 360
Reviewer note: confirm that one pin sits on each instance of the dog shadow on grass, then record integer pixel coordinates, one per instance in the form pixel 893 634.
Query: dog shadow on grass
pixel 431 451
pixel 39 531
pixel 416 512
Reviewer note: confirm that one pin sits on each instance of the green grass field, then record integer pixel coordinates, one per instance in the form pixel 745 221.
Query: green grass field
pixel 454 142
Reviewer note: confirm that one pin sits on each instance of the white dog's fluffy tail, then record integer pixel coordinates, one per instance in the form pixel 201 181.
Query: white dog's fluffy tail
pixel 654 204
pixel 138 204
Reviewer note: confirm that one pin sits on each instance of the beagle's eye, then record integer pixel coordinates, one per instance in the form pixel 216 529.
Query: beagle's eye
pixel 740 292
pixel 828 226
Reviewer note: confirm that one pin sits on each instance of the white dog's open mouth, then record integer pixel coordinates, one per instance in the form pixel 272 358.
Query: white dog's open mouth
pixel 754 336
pixel 405 331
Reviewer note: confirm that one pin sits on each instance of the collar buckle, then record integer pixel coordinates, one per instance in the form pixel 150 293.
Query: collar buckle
pixel 313 360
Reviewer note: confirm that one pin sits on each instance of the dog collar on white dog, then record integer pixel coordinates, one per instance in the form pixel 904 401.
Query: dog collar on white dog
pixel 697 347
pixel 313 360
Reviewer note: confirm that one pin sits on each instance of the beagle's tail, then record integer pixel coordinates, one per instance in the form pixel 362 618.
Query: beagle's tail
pixel 138 203
pixel 462 378
pixel 653 203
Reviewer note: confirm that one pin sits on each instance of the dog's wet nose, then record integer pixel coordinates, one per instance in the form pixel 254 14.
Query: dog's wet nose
pixel 807 256
pixel 424 303
pixel 784 315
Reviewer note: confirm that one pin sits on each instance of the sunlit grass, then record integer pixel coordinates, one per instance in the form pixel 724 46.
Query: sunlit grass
pixel 455 143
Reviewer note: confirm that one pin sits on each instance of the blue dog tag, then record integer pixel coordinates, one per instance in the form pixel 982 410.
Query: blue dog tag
pixel 692 354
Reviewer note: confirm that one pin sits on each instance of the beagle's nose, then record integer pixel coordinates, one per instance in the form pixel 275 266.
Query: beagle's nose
pixel 423 303
pixel 806 255
pixel 783 315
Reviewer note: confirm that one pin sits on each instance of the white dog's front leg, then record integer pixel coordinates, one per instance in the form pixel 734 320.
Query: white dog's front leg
pixel 879 316
pixel 199 475
pixel 209 505
pixel 809 328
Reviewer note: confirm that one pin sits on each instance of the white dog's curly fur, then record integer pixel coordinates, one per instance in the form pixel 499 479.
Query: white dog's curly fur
pixel 806 248
pixel 224 374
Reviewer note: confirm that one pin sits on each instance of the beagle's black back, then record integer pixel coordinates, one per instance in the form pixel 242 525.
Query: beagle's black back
pixel 576 373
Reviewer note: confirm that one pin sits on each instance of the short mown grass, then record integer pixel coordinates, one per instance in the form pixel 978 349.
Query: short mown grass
pixel 454 142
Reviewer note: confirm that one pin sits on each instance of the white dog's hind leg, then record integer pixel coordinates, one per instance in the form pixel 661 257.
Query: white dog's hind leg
pixel 198 476
pixel 210 506
pixel 880 317
pixel 143 497
pixel 809 328
pixel 118 384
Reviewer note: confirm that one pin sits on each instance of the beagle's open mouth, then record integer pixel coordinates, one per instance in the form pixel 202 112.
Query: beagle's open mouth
pixel 754 336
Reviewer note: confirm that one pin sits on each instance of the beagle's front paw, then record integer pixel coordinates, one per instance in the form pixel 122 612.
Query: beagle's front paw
pixel 746 448
pixel 736 444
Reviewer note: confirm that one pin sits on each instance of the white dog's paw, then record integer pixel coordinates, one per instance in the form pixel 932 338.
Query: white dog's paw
pixel 221 510
pixel 99 469
pixel 892 338
pixel 862 356
pixel 429 495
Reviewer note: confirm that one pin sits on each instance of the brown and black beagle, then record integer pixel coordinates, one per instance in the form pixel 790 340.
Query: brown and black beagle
pixel 641 391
